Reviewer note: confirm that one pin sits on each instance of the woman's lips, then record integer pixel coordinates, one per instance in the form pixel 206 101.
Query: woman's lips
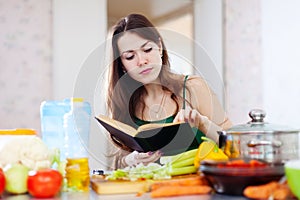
pixel 146 71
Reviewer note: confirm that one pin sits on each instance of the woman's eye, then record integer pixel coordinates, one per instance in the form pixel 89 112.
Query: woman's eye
pixel 147 50
pixel 129 57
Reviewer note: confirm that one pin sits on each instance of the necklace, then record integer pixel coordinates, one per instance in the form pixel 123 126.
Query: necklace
pixel 157 112
pixel 162 103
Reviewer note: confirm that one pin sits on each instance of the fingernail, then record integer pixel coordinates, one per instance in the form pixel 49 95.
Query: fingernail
pixel 150 153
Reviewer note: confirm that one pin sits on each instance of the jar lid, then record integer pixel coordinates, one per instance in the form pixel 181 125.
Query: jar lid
pixel 19 131
pixel 257 125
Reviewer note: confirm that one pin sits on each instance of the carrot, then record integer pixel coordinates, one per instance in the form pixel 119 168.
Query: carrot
pixel 189 181
pixel 166 191
pixel 260 191
pixel 281 194
pixel 273 189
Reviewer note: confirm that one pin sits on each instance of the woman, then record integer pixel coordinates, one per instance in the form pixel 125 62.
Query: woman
pixel 142 89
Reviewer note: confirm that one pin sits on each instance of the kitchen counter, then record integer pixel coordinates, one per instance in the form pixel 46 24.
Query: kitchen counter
pixel 185 197
pixel 91 195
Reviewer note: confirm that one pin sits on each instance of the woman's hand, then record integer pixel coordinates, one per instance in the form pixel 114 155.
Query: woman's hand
pixel 136 158
pixel 195 119
pixel 192 116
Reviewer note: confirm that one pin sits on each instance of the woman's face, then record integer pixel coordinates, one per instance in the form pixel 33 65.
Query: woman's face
pixel 140 57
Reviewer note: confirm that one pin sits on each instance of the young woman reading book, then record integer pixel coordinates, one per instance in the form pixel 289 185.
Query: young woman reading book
pixel 143 89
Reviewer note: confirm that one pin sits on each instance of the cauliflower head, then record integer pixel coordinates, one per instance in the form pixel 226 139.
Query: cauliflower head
pixel 29 151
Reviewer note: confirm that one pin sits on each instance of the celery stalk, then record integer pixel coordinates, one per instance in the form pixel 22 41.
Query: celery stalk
pixel 178 157
pixel 183 163
pixel 182 170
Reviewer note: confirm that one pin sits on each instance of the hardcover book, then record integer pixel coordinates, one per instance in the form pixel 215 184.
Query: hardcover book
pixel 170 138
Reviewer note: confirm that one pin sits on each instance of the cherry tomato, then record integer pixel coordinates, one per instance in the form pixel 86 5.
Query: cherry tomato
pixel 2 181
pixel 44 183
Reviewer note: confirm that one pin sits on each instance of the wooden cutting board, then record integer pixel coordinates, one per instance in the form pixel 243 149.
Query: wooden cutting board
pixel 102 186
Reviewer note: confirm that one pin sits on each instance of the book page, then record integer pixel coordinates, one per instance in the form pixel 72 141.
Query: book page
pixel 118 125
pixel 156 125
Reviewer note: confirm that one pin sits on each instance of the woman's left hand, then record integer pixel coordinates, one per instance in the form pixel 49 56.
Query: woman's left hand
pixel 192 116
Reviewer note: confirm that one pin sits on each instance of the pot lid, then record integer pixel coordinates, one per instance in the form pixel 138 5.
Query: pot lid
pixel 257 125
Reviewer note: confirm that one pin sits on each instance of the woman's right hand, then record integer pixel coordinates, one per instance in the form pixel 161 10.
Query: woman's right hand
pixel 193 117
pixel 136 158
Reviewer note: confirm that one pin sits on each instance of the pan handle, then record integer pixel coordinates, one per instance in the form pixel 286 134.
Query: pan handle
pixel 254 143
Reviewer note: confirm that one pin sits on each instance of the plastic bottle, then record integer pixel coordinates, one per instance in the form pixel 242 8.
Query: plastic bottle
pixel 76 129
pixel 76 140
pixel 52 114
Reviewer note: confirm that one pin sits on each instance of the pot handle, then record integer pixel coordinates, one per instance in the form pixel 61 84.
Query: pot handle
pixel 222 138
pixel 254 143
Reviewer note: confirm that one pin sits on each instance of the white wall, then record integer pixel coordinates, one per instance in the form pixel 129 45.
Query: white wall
pixel 79 31
pixel 26 65
pixel 262 59
pixel 242 58
pixel 177 33
pixel 208 44
pixel 281 60
pixel 78 27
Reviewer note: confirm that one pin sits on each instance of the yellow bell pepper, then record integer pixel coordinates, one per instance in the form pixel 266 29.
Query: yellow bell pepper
pixel 209 150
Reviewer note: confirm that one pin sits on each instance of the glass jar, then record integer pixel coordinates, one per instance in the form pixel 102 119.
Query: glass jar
pixel 77 174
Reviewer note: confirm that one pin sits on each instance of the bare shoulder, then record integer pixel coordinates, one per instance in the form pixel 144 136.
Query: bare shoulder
pixel 199 93
pixel 196 82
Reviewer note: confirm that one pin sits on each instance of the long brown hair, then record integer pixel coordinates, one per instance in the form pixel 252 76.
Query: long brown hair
pixel 124 93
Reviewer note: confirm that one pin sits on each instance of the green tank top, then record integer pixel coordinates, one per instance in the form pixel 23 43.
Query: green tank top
pixel 170 119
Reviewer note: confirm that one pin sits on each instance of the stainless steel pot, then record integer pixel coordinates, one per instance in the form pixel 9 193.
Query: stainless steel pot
pixel 260 140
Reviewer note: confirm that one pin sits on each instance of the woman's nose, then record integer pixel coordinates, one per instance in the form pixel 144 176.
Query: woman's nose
pixel 142 59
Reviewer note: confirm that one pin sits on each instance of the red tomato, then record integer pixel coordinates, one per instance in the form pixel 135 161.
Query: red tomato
pixel 243 164
pixel 2 181
pixel 44 183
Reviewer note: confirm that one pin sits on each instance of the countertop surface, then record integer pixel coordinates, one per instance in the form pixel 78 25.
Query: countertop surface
pixel 91 195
